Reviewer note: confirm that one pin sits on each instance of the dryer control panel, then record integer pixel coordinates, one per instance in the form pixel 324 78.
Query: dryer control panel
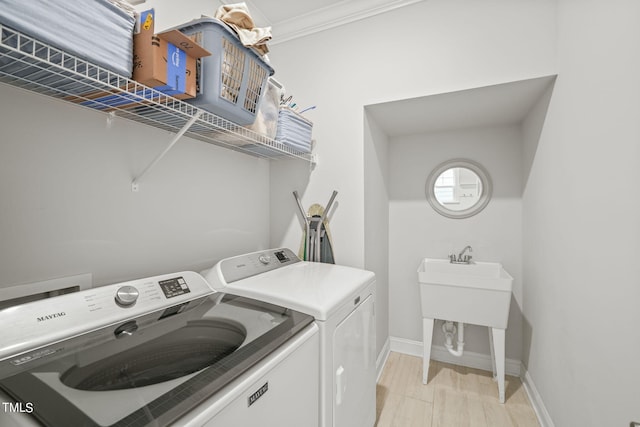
pixel 243 266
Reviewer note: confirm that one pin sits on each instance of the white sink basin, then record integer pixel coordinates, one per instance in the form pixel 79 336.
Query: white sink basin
pixel 477 293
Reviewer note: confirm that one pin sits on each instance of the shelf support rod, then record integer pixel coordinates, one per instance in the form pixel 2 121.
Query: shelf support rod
pixel 135 183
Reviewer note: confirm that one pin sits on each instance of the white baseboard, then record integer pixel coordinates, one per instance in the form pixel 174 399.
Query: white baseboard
pixel 536 400
pixel 382 359
pixel 441 354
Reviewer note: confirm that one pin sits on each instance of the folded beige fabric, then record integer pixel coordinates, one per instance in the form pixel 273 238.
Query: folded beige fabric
pixel 237 17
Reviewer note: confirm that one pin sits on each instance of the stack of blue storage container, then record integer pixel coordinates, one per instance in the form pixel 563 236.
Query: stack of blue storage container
pixel 294 130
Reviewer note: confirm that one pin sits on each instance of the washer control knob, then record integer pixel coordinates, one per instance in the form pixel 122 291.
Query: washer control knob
pixel 265 259
pixel 126 296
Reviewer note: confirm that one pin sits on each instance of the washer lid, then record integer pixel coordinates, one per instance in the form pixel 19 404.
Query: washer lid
pixel 316 289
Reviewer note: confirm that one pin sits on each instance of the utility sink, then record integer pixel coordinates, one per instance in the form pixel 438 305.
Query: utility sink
pixel 478 293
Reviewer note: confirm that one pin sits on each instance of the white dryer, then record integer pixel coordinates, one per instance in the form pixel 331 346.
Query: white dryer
pixel 341 299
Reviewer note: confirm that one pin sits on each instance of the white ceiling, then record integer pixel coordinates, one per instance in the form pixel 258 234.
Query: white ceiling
pixel 291 19
pixel 501 104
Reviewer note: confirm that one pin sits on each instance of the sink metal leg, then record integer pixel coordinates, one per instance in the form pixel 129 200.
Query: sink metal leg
pixel 498 339
pixel 427 337
pixel 493 353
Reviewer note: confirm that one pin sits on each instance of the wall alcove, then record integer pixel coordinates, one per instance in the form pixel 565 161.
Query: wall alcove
pixel 405 140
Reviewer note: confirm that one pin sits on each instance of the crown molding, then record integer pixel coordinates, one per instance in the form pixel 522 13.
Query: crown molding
pixel 341 13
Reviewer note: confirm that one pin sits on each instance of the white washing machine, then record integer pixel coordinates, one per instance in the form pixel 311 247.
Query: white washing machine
pixel 161 351
pixel 341 299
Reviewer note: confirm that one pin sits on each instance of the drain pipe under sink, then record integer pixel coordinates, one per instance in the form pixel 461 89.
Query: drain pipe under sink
pixel 449 330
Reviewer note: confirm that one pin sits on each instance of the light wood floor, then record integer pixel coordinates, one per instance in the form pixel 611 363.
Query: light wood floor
pixel 454 396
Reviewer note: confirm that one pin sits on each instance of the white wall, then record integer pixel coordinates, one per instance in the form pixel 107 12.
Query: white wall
pixel 66 205
pixel 376 220
pixel 417 231
pixel 429 47
pixel 582 228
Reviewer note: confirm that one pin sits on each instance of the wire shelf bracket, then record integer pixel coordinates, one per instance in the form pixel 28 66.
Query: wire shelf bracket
pixel 135 184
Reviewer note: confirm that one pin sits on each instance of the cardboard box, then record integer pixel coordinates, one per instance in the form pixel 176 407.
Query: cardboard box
pixel 165 61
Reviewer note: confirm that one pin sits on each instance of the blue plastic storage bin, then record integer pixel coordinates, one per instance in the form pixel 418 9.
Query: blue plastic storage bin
pixel 233 79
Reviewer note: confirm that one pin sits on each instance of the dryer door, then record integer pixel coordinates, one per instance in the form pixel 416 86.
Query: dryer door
pixel 354 368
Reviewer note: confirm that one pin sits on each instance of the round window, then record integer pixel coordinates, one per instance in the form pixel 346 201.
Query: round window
pixel 458 188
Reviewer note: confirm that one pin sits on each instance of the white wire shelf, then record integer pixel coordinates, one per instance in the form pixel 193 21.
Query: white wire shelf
pixel 30 64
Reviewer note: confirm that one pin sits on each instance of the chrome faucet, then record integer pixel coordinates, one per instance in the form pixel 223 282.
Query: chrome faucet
pixel 462 258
